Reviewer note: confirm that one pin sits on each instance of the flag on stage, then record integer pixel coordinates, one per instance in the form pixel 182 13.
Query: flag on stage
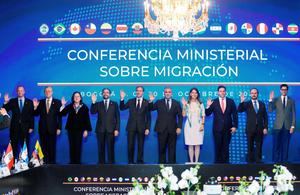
pixel 247 28
pixel 38 149
pixel 122 28
pixel 9 157
pixel 262 28
pixel 106 28
pixel 277 28
pixel 24 153
pixel 90 28
pixel 293 29
pixel 231 28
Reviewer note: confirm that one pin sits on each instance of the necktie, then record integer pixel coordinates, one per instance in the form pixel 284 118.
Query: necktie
pixel 283 102
pixel 223 105
pixel 138 106
pixel 48 106
pixel 105 105
pixel 21 105
pixel 255 106
pixel 168 104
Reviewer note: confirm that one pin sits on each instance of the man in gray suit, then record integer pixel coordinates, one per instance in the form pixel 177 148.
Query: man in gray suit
pixel 4 119
pixel 284 124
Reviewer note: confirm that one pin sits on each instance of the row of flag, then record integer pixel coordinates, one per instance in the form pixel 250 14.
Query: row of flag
pixel 91 28
pixel 231 28
pixel 8 159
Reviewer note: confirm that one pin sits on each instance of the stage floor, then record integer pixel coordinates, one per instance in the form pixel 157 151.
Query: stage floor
pixel 117 179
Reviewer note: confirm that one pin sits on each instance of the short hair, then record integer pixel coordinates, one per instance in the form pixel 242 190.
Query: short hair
pixel 167 88
pixel 106 89
pixel 284 85
pixel 47 88
pixel 18 86
pixel 221 86
pixel 254 88
pixel 140 87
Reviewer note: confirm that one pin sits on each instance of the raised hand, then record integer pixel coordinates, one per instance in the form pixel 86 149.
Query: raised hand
pixel 183 101
pixel 271 95
pixel 242 97
pixel 35 102
pixel 209 102
pixel 6 98
pixel 63 101
pixel 151 97
pixel 3 111
pixel 94 98
pixel 122 94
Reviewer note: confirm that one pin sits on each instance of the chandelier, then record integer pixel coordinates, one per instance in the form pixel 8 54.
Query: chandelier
pixel 176 16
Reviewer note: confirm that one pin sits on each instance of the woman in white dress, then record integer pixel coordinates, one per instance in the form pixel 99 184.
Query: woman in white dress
pixel 194 111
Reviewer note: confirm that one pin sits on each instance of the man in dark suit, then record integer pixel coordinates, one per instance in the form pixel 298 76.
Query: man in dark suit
pixel 4 119
pixel 168 124
pixel 224 125
pixel 284 124
pixel 138 124
pixel 108 124
pixel 22 119
pixel 50 121
pixel 257 124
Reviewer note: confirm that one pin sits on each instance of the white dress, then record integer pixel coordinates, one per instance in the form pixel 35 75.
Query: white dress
pixel 192 134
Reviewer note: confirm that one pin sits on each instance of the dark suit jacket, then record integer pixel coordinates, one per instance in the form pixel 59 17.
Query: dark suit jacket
pixel 167 120
pixel 223 121
pixel 77 122
pixel 24 119
pixel 4 122
pixel 49 122
pixel 109 120
pixel 138 119
pixel 255 121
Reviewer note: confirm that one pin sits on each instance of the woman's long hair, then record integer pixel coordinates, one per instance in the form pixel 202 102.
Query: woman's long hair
pixel 74 95
pixel 198 95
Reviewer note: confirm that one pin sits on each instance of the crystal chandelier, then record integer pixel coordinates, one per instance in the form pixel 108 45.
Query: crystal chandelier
pixel 175 16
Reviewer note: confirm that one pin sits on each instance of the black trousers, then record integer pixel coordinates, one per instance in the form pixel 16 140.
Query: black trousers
pixel 108 139
pixel 75 143
pixel 222 141
pixel 167 140
pixel 17 139
pixel 131 136
pixel 48 144
pixel 255 139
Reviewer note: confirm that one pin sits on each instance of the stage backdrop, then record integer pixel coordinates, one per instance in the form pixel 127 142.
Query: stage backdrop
pixel 259 46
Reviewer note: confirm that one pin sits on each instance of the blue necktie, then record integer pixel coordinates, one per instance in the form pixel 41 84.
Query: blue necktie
pixel 255 106
pixel 21 105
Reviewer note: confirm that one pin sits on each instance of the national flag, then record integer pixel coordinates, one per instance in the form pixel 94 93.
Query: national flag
pixel 247 28
pixel 24 153
pixel 121 28
pixel 293 29
pixel 215 28
pixel 106 28
pixel 75 29
pixel 137 28
pixel 231 28
pixel 59 29
pixel 9 157
pixel 262 28
pixel 277 28
pixel 39 150
pixel 44 29
pixel 90 28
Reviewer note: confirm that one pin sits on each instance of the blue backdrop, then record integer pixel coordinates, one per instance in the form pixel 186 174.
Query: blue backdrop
pixel 24 60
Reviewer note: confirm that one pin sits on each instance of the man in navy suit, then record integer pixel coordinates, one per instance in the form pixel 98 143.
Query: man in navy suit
pixel 22 119
pixel 225 123
pixel 257 124
pixel 108 124
pixel 50 121
pixel 138 124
